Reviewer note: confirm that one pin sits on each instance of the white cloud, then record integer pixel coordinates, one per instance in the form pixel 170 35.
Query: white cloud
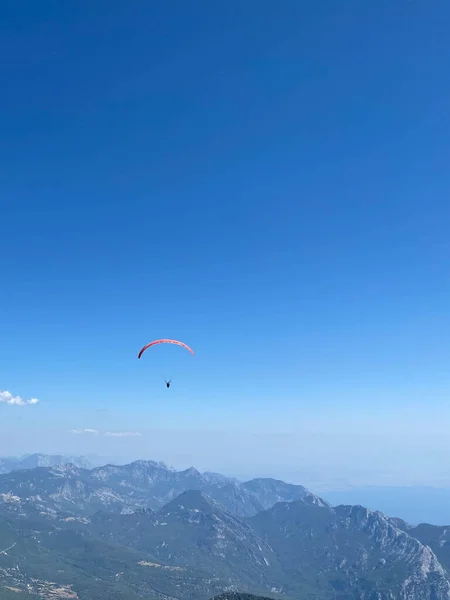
pixel 8 398
pixel 123 434
pixel 106 433
pixel 80 431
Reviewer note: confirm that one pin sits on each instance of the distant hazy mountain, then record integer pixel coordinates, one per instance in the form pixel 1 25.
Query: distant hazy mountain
pixel 414 504
pixel 144 530
pixel 31 461
pixel 141 484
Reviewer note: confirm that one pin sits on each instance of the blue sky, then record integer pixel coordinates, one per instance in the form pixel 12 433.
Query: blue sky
pixel 268 183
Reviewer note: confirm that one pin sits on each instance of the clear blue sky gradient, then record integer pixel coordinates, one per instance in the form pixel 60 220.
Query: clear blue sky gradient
pixel 266 181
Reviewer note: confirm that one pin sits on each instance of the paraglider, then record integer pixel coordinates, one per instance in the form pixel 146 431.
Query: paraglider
pixel 165 341
pixel 178 343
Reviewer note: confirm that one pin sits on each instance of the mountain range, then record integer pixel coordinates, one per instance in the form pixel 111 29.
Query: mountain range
pixel 30 461
pixel 144 530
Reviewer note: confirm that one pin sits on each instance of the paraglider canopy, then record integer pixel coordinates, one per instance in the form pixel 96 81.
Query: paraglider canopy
pixel 177 342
